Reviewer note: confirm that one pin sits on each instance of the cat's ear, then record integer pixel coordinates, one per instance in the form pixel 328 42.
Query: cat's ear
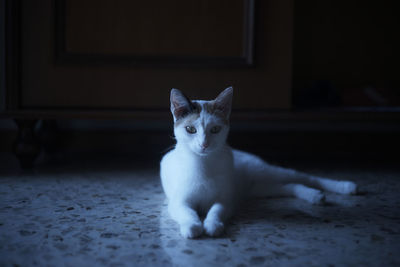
pixel 223 102
pixel 180 104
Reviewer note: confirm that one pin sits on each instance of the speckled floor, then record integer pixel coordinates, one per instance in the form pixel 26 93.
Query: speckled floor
pixel 112 213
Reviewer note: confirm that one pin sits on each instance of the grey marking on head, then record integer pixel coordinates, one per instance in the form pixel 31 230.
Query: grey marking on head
pixel 181 106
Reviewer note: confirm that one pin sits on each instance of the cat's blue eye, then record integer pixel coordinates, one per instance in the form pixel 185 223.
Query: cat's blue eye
pixel 190 129
pixel 215 129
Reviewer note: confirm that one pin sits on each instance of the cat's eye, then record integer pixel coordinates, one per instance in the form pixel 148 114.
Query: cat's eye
pixel 215 129
pixel 190 129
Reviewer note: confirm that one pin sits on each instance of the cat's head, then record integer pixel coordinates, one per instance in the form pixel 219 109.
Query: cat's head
pixel 201 126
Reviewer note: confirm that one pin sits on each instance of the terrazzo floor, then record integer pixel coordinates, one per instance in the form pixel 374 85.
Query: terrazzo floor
pixel 113 213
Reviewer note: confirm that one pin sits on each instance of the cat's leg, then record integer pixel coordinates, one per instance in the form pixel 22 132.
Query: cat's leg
pixel 340 187
pixel 214 221
pixel 187 218
pixel 335 186
pixel 283 175
pixel 300 191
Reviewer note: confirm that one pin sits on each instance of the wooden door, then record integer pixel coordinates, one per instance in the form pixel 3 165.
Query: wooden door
pixel 125 55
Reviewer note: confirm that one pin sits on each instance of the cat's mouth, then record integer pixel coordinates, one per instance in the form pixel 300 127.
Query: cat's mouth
pixel 203 153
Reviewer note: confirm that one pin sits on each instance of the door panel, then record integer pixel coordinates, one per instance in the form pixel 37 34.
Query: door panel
pixel 126 55
pixel 154 28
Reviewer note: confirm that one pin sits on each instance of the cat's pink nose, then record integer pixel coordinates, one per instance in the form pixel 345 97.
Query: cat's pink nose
pixel 204 145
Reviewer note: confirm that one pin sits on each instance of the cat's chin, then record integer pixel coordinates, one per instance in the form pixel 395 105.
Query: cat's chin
pixel 203 153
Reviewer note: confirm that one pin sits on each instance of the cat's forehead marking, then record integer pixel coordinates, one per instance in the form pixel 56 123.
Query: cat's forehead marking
pixel 206 106
pixel 211 108
pixel 189 119
pixel 198 106
pixel 203 109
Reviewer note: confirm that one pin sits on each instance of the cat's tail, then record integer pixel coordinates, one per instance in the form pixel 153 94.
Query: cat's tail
pixel 279 175
pixel 266 180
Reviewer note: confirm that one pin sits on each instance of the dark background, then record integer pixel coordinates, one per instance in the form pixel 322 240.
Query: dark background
pixel 312 78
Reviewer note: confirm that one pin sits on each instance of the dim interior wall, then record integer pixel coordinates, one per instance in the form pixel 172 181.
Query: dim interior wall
pixel 2 57
pixel 346 53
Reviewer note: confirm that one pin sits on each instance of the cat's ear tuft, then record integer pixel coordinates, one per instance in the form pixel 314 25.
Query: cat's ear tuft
pixel 223 102
pixel 180 104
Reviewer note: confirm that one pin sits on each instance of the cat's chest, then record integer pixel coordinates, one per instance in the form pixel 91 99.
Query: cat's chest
pixel 202 192
pixel 208 172
pixel 206 183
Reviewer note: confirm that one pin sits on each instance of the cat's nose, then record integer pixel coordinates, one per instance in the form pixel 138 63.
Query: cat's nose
pixel 204 145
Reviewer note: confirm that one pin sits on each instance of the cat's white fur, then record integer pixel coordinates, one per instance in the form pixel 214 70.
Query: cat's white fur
pixel 203 177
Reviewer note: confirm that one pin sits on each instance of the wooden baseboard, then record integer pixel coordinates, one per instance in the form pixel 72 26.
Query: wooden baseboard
pixel 272 138
pixel 266 144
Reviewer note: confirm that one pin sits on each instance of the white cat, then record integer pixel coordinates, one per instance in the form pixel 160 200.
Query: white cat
pixel 203 177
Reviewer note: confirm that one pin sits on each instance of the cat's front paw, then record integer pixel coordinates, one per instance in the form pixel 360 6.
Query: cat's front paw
pixel 347 188
pixel 213 227
pixel 191 230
